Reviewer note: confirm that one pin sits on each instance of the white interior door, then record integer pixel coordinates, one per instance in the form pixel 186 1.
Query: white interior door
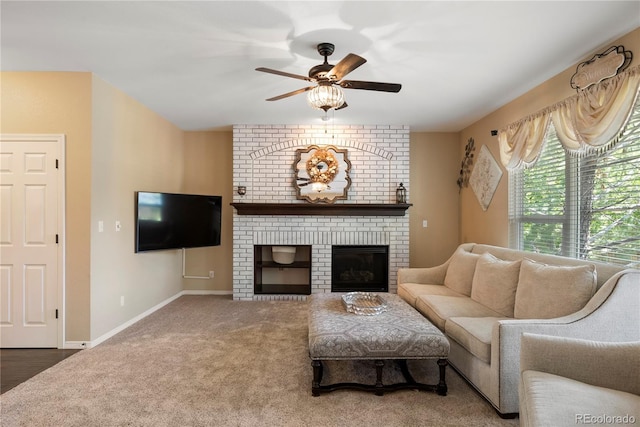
pixel 30 240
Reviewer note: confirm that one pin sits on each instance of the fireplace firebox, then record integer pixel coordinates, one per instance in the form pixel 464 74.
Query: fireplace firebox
pixel 360 268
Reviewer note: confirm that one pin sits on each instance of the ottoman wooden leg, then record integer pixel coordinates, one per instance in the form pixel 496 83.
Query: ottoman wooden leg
pixel 379 385
pixel 442 384
pixel 317 377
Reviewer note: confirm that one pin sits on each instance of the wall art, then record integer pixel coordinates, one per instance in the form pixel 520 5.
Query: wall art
pixel 321 174
pixel 465 166
pixel 485 177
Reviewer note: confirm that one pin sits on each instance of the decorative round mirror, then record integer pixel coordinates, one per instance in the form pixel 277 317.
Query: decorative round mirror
pixel 321 174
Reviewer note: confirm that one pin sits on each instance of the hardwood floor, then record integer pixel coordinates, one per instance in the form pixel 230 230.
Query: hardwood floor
pixel 18 365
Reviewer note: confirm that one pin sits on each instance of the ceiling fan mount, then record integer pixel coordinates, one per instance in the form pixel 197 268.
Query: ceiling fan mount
pixel 324 95
pixel 319 72
pixel 326 49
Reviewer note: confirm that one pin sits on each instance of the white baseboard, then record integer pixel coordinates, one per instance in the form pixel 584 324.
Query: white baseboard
pixel 111 333
pixel 74 345
pixel 136 319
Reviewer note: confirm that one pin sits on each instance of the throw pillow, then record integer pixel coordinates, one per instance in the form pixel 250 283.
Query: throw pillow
pixel 549 291
pixel 495 282
pixel 460 271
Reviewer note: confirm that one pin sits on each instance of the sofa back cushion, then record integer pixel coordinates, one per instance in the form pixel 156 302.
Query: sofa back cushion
pixel 462 266
pixel 549 291
pixel 604 270
pixel 495 282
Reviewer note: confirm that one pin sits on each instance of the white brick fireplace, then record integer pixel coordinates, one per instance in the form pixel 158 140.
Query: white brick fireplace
pixel 263 158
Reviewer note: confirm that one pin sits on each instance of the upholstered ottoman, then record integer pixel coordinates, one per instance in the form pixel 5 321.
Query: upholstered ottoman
pixel 400 333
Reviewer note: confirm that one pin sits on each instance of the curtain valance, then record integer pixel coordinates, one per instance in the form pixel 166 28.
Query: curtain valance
pixel 587 122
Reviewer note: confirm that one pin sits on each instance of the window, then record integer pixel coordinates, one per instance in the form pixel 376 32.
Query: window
pixel 583 207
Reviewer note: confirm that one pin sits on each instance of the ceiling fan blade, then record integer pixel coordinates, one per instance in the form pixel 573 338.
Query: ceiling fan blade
pixel 282 73
pixel 382 87
pixel 286 95
pixel 345 66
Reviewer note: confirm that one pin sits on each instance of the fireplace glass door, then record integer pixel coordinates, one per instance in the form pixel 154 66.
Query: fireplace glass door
pixel 360 268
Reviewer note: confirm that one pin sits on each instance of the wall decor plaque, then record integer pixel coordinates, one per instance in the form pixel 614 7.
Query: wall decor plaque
pixel 485 177
pixel 602 66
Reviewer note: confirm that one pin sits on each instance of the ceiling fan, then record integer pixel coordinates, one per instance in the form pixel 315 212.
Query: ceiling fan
pixel 327 94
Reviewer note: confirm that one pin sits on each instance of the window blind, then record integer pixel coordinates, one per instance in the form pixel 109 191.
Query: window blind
pixel 586 207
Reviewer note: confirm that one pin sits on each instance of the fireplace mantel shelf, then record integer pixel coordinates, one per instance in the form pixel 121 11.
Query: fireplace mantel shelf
pixel 342 209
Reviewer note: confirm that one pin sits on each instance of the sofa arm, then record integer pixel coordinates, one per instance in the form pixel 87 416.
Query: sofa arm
pixel 614 365
pixel 613 315
pixel 428 275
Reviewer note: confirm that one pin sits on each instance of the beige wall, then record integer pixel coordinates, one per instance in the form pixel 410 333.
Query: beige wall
pixel 133 149
pixel 114 147
pixel 492 226
pixel 208 157
pixel 60 103
pixel 434 164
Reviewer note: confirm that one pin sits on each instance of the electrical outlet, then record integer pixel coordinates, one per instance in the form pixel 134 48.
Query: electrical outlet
pixel 211 274
pixel 122 301
pixel 424 223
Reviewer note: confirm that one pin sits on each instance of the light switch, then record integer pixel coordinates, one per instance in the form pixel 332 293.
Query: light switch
pixel 118 226
pixel 424 223
pixel 100 226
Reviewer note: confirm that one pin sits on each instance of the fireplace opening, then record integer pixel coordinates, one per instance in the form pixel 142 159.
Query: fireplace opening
pixel 360 268
pixel 282 269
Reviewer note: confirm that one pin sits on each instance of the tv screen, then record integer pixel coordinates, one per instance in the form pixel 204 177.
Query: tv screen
pixel 175 221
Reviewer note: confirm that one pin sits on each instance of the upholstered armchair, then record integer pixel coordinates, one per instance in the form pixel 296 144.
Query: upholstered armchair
pixel 568 381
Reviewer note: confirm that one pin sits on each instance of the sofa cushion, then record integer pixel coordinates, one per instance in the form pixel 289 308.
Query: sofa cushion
pixel 459 275
pixel 495 282
pixel 549 291
pixel 438 308
pixel 472 333
pixel 551 400
pixel 411 291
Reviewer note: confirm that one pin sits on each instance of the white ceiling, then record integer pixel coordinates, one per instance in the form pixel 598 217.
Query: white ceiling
pixel 194 62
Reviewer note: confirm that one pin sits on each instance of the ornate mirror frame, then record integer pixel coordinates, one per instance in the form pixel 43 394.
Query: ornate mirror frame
pixel 321 174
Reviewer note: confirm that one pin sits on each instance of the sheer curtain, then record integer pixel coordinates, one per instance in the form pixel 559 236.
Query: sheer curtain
pixel 590 121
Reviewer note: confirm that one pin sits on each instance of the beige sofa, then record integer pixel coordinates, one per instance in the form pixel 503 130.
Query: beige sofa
pixel 568 382
pixel 484 297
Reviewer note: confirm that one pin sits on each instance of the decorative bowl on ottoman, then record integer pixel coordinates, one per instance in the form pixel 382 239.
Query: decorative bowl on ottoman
pixel 365 303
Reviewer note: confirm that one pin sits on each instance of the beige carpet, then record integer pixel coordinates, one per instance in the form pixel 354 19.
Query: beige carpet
pixel 211 361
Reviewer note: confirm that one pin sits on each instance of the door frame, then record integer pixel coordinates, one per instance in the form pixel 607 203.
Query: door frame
pixel 60 141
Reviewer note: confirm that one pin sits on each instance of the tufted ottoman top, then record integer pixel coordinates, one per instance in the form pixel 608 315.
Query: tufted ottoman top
pixel 398 333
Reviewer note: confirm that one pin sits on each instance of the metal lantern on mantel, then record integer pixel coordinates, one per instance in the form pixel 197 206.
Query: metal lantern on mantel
pixel 401 194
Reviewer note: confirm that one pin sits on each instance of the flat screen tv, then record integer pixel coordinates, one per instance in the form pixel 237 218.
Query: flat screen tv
pixel 176 221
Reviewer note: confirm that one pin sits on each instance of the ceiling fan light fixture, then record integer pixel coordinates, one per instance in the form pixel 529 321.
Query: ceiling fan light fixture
pixel 325 97
pixel 329 79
